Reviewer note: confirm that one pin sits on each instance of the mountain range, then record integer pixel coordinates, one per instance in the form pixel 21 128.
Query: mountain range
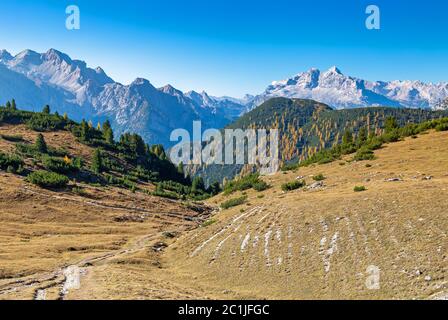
pixel 68 85
pixel 334 88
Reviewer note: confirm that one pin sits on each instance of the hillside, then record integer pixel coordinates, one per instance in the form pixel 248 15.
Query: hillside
pixel 319 240
pixel 104 238
pixel 82 217
pixel 306 127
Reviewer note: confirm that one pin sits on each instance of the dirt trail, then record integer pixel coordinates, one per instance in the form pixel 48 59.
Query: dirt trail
pixel 66 278
pixel 147 213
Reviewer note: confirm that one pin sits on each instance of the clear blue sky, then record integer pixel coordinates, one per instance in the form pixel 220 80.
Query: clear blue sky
pixel 230 47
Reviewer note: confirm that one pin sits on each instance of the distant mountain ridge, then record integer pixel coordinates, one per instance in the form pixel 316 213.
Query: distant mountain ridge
pixel 307 126
pixel 334 88
pixel 69 85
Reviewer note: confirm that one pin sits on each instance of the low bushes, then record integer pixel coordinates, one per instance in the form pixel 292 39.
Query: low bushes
pixel 233 202
pixel 260 186
pixel 47 179
pixel 442 127
pixel 60 165
pixel 359 188
pixel 293 185
pixel 319 177
pixel 244 183
pixel 12 138
pixel 364 154
pixel 10 161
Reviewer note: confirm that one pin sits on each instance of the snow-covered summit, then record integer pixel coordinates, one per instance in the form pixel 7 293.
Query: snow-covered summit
pixel 340 91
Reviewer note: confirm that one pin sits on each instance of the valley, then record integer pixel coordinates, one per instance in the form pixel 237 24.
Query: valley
pixel 314 242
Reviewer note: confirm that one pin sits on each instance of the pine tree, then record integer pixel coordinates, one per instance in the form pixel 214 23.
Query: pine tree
pixel 109 136
pixel 348 137
pixel 180 168
pixel 362 135
pixel 46 109
pixel 390 124
pixel 198 184
pixel 40 144
pixel 13 104
pixel 106 125
pixel 85 131
pixel 8 105
pixel 98 126
pixel 97 161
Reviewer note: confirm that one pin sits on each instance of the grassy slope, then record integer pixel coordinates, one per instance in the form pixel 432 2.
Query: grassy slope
pixel 110 228
pixel 318 243
pixel 399 226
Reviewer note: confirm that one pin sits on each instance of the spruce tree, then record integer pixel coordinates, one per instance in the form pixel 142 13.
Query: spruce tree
pixel 109 136
pixel 106 125
pixel 348 137
pixel 40 144
pixel 108 133
pixel 8 105
pixel 13 104
pixel 97 161
pixel 85 131
pixel 198 184
pixel 180 169
pixel 362 135
pixel 391 124
pixel 46 109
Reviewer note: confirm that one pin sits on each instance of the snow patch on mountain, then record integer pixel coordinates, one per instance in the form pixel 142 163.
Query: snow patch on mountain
pixel 340 91
pixel 68 85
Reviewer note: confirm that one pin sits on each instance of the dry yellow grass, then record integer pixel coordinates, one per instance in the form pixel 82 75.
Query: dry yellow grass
pixel 298 245
pixel 318 243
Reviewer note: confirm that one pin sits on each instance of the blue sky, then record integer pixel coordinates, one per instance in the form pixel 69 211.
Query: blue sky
pixel 229 47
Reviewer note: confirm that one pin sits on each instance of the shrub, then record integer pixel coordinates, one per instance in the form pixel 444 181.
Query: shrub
pixel 45 122
pixel 47 179
pixel 260 186
pixel 208 223
pixel 359 188
pixel 97 161
pixel 391 136
pixel 58 165
pixel 165 194
pixel 442 127
pixel 364 154
pixel 80 191
pixel 233 202
pixel 12 138
pixel 293 185
pixel 244 183
pixel 319 177
pixel 40 144
pixel 374 143
pixel 12 161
